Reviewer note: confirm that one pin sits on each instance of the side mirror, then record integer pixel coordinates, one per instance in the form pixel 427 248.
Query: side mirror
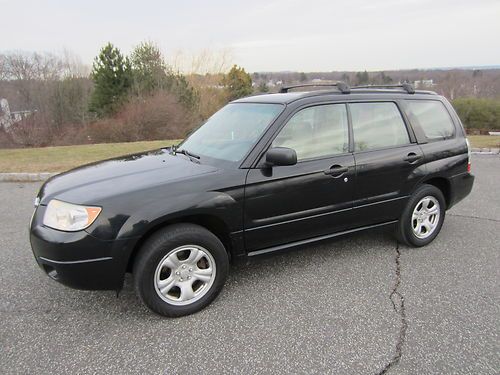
pixel 281 156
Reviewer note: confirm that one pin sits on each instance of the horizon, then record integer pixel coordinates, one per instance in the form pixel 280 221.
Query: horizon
pixel 73 56
pixel 472 67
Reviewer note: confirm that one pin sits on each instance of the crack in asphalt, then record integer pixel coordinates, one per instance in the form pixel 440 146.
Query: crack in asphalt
pixel 398 304
pixel 476 217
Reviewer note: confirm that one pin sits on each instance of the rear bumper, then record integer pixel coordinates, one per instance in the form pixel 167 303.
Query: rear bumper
pixel 460 187
pixel 77 259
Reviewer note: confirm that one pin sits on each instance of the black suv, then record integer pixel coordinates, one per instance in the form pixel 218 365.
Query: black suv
pixel 264 174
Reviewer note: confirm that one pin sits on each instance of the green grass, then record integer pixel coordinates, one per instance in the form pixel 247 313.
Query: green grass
pixel 58 159
pixel 484 141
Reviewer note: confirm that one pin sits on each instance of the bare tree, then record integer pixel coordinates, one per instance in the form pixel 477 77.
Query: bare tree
pixel 3 68
pixel 48 86
pixel 73 65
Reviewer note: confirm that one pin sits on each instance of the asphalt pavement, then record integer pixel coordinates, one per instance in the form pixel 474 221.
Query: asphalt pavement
pixel 361 304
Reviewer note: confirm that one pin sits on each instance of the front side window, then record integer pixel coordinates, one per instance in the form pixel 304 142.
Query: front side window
pixel 316 131
pixel 432 117
pixel 230 133
pixel 377 125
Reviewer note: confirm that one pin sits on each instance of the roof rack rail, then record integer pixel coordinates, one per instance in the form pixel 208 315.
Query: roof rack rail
pixel 408 87
pixel 343 87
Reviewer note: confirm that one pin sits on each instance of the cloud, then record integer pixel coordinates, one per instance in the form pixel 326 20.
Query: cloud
pixel 269 35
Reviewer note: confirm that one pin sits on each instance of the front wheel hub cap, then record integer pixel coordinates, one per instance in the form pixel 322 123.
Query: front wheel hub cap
pixel 184 275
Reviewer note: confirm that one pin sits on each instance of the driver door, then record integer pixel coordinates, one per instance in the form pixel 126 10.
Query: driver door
pixel 285 204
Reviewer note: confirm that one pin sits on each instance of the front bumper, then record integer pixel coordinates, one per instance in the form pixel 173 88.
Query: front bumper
pixel 78 259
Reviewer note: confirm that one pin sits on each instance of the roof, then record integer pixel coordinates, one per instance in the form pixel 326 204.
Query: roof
pixel 272 98
pixel 286 98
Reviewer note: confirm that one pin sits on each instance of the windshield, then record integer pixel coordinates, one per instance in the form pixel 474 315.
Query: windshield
pixel 230 133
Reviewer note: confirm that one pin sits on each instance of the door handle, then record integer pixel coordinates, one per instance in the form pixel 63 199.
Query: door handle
pixel 412 157
pixel 336 171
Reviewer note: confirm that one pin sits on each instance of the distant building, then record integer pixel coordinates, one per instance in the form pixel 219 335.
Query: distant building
pixel 423 83
pixel 8 118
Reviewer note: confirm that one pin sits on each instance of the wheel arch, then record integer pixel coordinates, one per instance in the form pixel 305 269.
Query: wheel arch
pixel 212 223
pixel 443 184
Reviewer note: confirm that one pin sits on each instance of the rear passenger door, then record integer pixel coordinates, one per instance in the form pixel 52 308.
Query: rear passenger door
pixel 388 161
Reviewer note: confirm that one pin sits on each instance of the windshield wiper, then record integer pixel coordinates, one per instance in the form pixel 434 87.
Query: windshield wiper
pixel 183 151
pixel 187 153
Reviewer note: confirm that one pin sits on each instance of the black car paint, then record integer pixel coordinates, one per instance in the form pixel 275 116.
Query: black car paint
pixel 253 208
pixel 274 202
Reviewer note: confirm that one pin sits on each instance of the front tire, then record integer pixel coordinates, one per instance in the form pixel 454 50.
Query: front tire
pixel 180 270
pixel 422 217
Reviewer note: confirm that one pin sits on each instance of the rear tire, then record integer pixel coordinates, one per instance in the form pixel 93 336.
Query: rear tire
pixel 180 270
pixel 422 217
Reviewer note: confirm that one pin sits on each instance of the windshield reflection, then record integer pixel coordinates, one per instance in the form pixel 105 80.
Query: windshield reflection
pixel 229 133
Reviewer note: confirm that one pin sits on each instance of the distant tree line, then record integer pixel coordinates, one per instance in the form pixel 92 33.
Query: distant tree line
pixel 122 98
pixel 141 97
pixel 452 83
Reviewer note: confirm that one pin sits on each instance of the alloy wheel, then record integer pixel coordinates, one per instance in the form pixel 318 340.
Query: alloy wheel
pixel 425 217
pixel 185 275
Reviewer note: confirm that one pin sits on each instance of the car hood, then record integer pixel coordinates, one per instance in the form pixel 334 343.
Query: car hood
pixel 91 183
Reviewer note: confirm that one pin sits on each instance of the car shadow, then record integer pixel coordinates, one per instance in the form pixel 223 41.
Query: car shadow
pixel 255 273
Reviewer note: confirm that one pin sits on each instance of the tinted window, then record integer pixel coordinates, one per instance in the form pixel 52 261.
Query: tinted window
pixel 316 131
pixel 377 125
pixel 432 117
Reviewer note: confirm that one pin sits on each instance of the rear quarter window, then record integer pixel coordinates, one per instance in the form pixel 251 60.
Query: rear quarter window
pixel 432 117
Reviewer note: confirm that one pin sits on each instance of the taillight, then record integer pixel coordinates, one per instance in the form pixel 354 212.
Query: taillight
pixel 469 155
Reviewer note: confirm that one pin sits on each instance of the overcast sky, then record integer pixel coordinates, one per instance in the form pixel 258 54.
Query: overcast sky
pixel 268 35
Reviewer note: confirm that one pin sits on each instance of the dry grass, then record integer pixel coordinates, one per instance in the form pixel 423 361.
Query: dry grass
pixel 484 141
pixel 58 159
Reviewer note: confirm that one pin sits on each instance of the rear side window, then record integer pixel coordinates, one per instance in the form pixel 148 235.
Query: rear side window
pixel 432 117
pixel 316 132
pixel 377 125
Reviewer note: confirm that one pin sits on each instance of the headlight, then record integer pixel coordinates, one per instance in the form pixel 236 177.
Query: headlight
pixel 69 217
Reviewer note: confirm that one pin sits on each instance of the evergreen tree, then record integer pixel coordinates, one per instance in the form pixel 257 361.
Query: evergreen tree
pixel 151 73
pixel 263 87
pixel 181 88
pixel 385 79
pixel 238 83
pixel 345 78
pixel 111 74
pixel 362 78
pixel 149 69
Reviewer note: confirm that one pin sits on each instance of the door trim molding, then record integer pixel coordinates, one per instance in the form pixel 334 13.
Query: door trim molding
pixel 299 215
pixel 316 239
